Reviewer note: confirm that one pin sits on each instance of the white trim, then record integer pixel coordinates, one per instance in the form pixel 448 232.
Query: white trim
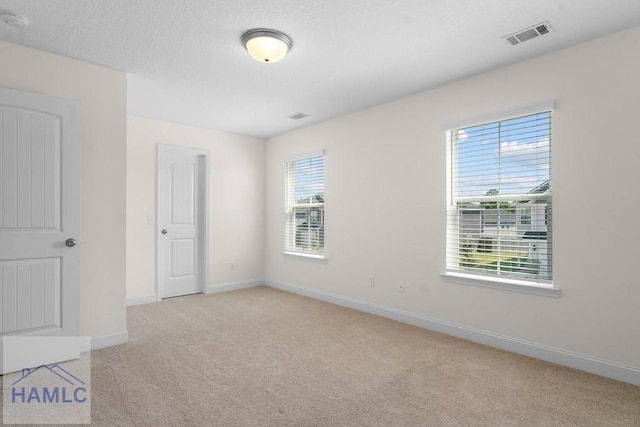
pixel 204 230
pixel 306 155
pixel 502 115
pixel 320 259
pixel 148 299
pixel 512 285
pixel 311 293
pixel 211 289
pixel 616 371
pixel 233 286
pixel 103 341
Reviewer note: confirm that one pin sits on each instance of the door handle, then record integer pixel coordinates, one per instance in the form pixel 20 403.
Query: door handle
pixel 164 231
pixel 70 243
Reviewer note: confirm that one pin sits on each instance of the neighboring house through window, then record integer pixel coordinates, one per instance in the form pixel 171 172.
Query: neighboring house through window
pixel 499 198
pixel 305 205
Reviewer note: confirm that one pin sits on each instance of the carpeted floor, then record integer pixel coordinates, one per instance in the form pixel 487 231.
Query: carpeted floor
pixel 262 357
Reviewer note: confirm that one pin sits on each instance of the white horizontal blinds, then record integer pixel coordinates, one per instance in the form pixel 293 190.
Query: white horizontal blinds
pixel 305 205
pixel 499 214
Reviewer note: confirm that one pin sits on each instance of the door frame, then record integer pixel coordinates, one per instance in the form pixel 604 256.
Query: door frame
pixel 203 215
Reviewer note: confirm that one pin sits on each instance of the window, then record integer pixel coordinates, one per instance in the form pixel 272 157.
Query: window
pixel 525 216
pixel 499 212
pixel 305 206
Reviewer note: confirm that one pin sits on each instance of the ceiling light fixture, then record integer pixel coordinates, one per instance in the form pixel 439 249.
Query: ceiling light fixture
pixel 266 45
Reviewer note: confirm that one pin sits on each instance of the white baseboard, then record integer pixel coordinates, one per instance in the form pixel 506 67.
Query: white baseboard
pixel 234 286
pixel 211 289
pixel 103 341
pixel 589 364
pixel 311 293
pixel 142 300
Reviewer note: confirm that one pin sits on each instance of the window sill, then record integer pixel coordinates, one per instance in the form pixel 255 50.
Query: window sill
pixel 511 285
pixel 320 259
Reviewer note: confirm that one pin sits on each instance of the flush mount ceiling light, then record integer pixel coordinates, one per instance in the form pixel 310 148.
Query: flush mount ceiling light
pixel 266 45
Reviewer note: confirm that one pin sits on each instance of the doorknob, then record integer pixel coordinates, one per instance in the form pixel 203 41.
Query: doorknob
pixel 70 242
pixel 164 231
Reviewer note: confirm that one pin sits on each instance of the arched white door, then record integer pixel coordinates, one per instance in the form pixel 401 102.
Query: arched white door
pixel 39 222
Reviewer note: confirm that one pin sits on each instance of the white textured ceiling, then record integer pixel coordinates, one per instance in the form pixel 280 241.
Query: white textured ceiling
pixel 186 63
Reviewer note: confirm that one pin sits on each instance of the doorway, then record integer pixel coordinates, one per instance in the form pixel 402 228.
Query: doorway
pixel 182 226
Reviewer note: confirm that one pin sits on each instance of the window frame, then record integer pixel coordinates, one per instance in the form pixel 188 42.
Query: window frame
pixel 293 210
pixel 536 286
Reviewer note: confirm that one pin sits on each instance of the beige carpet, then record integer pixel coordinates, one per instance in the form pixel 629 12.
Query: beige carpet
pixel 262 357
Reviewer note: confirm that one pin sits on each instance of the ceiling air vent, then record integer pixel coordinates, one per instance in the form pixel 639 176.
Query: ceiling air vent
pixel 298 116
pixel 13 19
pixel 529 33
pixel 542 29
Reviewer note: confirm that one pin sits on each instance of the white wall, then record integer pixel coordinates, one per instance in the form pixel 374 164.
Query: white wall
pixel 102 94
pixel 385 202
pixel 385 197
pixel 236 220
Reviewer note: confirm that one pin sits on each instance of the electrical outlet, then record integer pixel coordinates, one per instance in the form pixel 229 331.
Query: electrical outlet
pixel 232 266
pixel 149 219
pixel 372 281
pixel 401 287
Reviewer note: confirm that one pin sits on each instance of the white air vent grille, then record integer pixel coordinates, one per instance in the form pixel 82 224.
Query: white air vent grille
pixel 529 33
pixel 298 116
pixel 13 19
pixel 513 40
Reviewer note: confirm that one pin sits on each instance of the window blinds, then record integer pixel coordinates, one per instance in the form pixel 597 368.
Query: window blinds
pixel 305 205
pixel 499 198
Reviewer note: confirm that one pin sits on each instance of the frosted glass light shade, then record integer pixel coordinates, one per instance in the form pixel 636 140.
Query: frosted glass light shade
pixel 265 45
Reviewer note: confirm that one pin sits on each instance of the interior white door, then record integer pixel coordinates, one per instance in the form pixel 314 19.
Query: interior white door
pixel 39 218
pixel 181 220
